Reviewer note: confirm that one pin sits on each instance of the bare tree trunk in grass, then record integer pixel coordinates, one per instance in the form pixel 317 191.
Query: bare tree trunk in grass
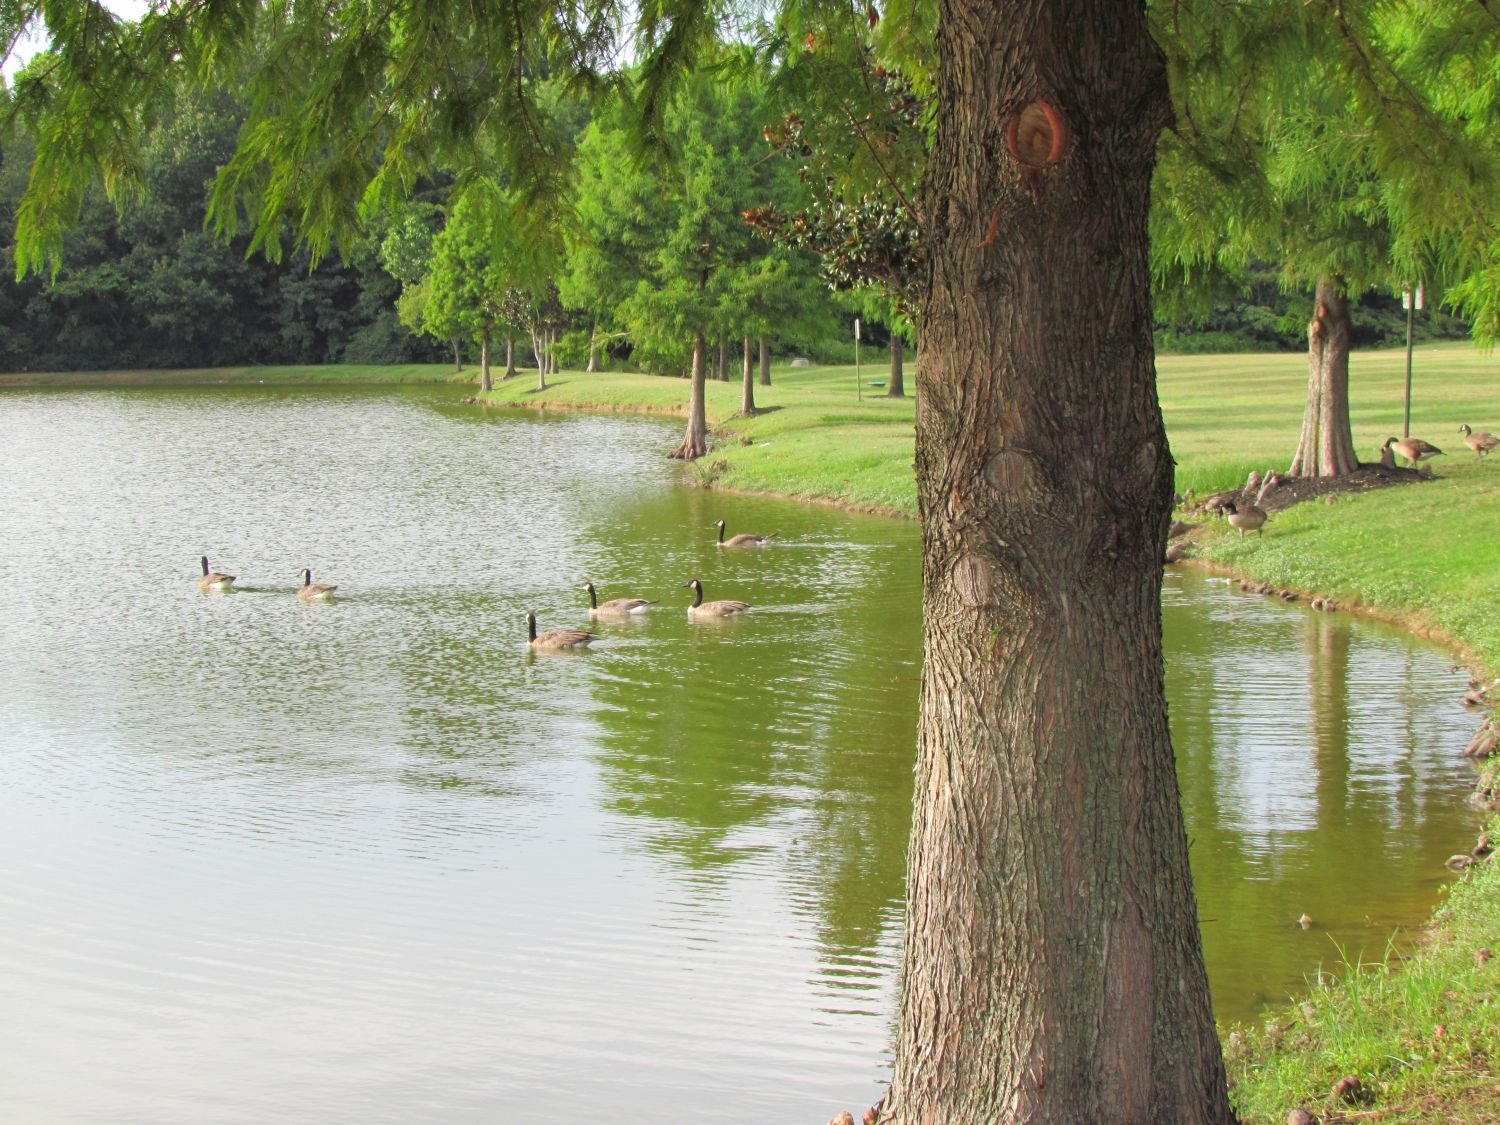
pixel 510 356
pixel 765 362
pixel 593 364
pixel 1053 966
pixel 695 441
pixel 1326 446
pixel 747 384
pixel 458 355
pixel 898 352
pixel 485 382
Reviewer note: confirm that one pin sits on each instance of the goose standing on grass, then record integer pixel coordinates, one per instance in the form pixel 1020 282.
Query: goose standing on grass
pixel 212 579
pixel 1481 443
pixel 311 591
pixel 1413 449
pixel 744 539
pixel 615 607
pixel 556 638
pixel 1245 516
pixel 701 608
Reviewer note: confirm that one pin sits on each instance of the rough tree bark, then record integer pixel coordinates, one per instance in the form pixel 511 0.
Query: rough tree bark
pixel 458 355
pixel 747 384
pixel 510 357
pixel 765 362
pixel 1053 965
pixel 485 382
pixel 695 441
pixel 897 381
pixel 1326 446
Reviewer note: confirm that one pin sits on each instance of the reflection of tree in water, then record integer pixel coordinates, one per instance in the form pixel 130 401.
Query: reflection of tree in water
pixel 1301 788
pixel 784 741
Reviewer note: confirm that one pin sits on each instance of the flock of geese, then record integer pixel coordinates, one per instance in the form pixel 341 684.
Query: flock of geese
pixel 214 581
pixel 1248 516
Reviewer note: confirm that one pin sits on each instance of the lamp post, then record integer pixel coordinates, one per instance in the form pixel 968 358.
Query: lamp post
pixel 859 389
pixel 1411 306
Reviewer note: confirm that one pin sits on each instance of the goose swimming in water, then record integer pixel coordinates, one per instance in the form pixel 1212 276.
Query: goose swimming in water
pixel 556 638
pixel 615 607
pixel 311 591
pixel 744 539
pixel 212 579
pixel 701 608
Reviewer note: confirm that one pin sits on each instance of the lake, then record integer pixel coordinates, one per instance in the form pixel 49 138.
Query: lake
pixel 375 860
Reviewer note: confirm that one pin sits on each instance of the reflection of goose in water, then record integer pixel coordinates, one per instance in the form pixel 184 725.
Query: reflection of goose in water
pixel 615 607
pixel 701 608
pixel 556 638
pixel 212 579
pixel 744 539
pixel 311 591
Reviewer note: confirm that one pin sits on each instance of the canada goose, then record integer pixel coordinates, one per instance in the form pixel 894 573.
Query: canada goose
pixel 701 608
pixel 1481 443
pixel 744 539
pixel 212 579
pixel 556 638
pixel 311 591
pixel 1413 449
pixel 615 607
pixel 1246 516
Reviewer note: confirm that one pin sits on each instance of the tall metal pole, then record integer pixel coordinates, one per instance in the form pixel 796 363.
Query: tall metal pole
pixel 1411 313
pixel 859 387
pixel 1412 303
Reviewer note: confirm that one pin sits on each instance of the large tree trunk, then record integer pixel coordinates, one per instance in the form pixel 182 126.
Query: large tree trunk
pixel 765 362
pixel 1053 965
pixel 695 441
pixel 898 373
pixel 747 383
pixel 458 355
pixel 593 364
pixel 539 346
pixel 1326 447
pixel 485 382
pixel 510 356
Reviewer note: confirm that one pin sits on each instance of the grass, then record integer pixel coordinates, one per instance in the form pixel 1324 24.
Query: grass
pixel 1419 1035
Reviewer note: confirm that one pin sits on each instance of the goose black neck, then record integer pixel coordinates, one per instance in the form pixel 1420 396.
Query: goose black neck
pixel 531 626
pixel 593 598
pixel 698 586
pixel 204 561
pixel 721 532
pixel 306 577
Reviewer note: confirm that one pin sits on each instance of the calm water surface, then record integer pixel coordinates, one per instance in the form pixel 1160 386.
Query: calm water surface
pixel 375 861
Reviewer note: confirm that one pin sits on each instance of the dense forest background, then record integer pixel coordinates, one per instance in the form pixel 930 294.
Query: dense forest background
pixel 152 287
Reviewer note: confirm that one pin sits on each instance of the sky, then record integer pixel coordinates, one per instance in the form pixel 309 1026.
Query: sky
pixel 24 49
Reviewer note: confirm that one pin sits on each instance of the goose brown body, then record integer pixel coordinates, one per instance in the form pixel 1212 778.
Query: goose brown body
pixel 701 608
pixel 744 539
pixel 1413 449
pixel 1245 516
pixel 311 591
pixel 212 579
pixel 615 607
pixel 1481 443
pixel 556 638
